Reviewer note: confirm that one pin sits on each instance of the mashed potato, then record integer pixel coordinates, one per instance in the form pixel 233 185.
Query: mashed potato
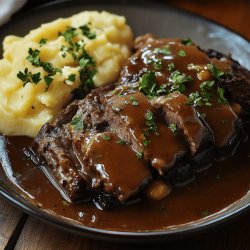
pixel 38 72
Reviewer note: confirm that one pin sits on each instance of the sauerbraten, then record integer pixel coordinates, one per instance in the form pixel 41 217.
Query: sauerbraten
pixel 175 110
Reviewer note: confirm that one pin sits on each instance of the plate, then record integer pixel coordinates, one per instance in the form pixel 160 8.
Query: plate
pixel 167 22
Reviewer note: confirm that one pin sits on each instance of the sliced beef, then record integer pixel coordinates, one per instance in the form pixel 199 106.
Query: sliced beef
pixel 56 143
pixel 134 119
pixel 236 84
pixel 118 169
pixel 195 130
pixel 226 127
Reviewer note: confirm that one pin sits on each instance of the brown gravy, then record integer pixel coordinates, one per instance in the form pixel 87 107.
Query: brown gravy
pixel 211 191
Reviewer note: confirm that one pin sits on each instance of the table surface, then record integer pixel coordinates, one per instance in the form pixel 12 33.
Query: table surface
pixel 20 231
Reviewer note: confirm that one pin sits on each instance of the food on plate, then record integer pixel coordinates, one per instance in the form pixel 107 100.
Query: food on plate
pixel 174 110
pixel 42 71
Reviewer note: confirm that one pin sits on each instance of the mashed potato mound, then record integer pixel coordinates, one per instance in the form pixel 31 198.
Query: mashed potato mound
pixel 39 93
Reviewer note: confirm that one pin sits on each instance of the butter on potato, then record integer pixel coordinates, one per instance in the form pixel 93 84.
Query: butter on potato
pixel 26 106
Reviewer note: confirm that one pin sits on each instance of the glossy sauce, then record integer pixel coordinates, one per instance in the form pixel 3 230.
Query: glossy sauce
pixel 193 63
pixel 211 191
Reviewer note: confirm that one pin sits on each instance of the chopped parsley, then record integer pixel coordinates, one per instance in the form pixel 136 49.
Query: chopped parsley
pixel 27 76
pixel 147 84
pixel 150 123
pixel 179 81
pixel 158 65
pixel 105 137
pixel 145 142
pixel 216 73
pixel 48 80
pixel 69 34
pixel 171 66
pixel 43 41
pixel 121 142
pixel 182 53
pixel 71 77
pixel 116 109
pixel 134 101
pixel 164 50
pixel 187 41
pixel 139 155
pixel 199 99
pixel 77 123
pixel 205 213
pixel 221 93
pixel 33 57
pixel 162 90
pixel 173 128
pixel 86 32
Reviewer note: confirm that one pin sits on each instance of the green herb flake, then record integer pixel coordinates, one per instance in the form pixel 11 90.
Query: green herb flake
pixel 68 34
pixel 33 57
pixel 162 90
pixel 195 99
pixel 134 101
pixel 179 81
pixel 147 84
pixel 43 41
pixel 205 213
pixel 207 85
pixel 164 50
pixel 24 76
pixel 145 142
pixel 187 41
pixel 86 32
pixel 116 109
pixel 77 123
pixel 158 65
pixel 36 78
pixel 216 73
pixel 173 128
pixel 171 66
pixel 139 155
pixel 48 80
pixel 71 77
pixel 182 53
pixel 221 93
pixel 203 115
pixel 105 137
pixel 121 142
pixel 150 122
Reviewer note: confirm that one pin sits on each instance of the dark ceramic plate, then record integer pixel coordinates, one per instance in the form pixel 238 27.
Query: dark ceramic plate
pixel 163 21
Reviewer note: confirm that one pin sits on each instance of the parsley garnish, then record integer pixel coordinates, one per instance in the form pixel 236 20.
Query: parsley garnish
pixel 216 73
pixel 162 90
pixel 77 123
pixel 164 50
pixel 221 93
pixel 86 32
pixel 158 65
pixel 171 66
pixel 33 57
pixel 173 128
pixel 187 41
pixel 121 142
pixel 147 84
pixel 139 155
pixel 43 41
pixel 68 34
pixel 150 123
pixel 179 81
pixel 27 76
pixel 205 213
pixel 182 53
pixel 105 137
pixel 145 142
pixel 134 101
pixel 48 80
pixel 71 77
